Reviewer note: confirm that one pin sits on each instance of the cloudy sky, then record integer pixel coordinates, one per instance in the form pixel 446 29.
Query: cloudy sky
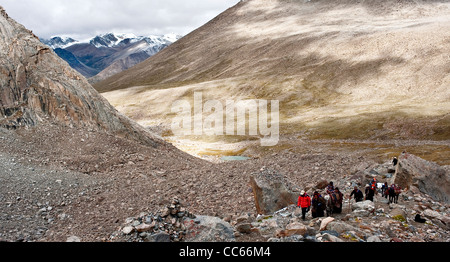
pixel 83 19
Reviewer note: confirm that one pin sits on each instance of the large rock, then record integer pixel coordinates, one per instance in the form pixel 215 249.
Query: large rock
pixel 325 222
pixel 330 238
pixel 429 177
pixel 366 205
pixel 272 191
pixel 399 214
pixel 444 221
pixel 208 229
pixel 363 209
pixel 294 228
pixel 340 227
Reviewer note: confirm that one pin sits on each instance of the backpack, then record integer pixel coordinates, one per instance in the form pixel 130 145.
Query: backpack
pixel 335 198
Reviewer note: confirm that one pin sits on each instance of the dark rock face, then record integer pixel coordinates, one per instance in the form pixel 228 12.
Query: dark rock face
pixel 37 86
pixel 429 177
pixel 75 63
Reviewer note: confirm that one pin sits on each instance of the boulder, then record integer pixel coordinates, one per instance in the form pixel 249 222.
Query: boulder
pixel 128 230
pixel 399 214
pixel 363 209
pixel 143 228
pixel 244 227
pixel 428 177
pixel 364 205
pixel 443 221
pixel 73 239
pixel 340 227
pixel 160 237
pixel 321 184
pixel 296 228
pixel 361 213
pixel 272 191
pixel 325 222
pixel 208 229
pixel 373 239
pixel 331 238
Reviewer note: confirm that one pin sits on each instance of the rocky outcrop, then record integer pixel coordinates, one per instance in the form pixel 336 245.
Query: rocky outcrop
pixel 37 86
pixel 208 229
pixel 167 225
pixel 427 176
pixel 363 209
pixel 174 224
pixel 272 191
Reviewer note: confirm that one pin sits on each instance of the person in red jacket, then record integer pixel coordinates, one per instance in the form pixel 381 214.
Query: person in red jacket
pixel 304 202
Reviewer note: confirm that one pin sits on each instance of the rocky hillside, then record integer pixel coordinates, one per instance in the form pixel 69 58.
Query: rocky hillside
pixel 55 128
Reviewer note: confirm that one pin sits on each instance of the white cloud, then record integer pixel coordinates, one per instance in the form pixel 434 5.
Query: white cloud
pixel 86 18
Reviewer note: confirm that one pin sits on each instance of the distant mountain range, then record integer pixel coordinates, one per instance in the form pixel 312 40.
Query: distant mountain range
pixel 106 55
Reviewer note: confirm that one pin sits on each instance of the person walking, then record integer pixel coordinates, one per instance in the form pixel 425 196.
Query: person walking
pixel 395 161
pixel 304 202
pixel 357 194
pixel 318 204
pixel 370 193
pixel 385 190
pixel 330 188
pixel 338 196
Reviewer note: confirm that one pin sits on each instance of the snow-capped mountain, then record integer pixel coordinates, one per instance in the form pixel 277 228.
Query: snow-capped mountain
pixel 150 44
pixel 103 52
pixel 113 40
pixel 59 42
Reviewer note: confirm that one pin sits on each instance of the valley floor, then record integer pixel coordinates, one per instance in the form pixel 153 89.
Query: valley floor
pixel 75 183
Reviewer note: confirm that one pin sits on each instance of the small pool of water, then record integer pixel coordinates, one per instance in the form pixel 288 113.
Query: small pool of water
pixel 235 158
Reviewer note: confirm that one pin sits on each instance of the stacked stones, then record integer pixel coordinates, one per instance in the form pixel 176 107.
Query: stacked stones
pixel 165 226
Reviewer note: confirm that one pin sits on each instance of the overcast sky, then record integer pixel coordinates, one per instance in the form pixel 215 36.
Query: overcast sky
pixel 83 19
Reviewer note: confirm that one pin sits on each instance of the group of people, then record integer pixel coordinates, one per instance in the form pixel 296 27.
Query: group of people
pixel 332 203
pixel 319 204
pixel 392 192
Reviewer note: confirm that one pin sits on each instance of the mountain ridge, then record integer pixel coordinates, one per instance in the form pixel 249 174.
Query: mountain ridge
pixel 104 55
pixel 38 87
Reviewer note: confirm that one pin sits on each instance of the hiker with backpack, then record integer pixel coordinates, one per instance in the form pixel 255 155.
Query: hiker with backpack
pixel 358 195
pixel 395 161
pixel 373 185
pixel 304 202
pixel 318 205
pixel 330 188
pixel 385 190
pixel 338 199
pixel 394 193
pixel 370 193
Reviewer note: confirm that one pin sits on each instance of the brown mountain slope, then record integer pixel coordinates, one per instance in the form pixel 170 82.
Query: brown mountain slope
pixel 341 69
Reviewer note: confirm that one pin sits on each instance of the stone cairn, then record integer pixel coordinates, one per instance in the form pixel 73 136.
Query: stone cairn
pixel 164 226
